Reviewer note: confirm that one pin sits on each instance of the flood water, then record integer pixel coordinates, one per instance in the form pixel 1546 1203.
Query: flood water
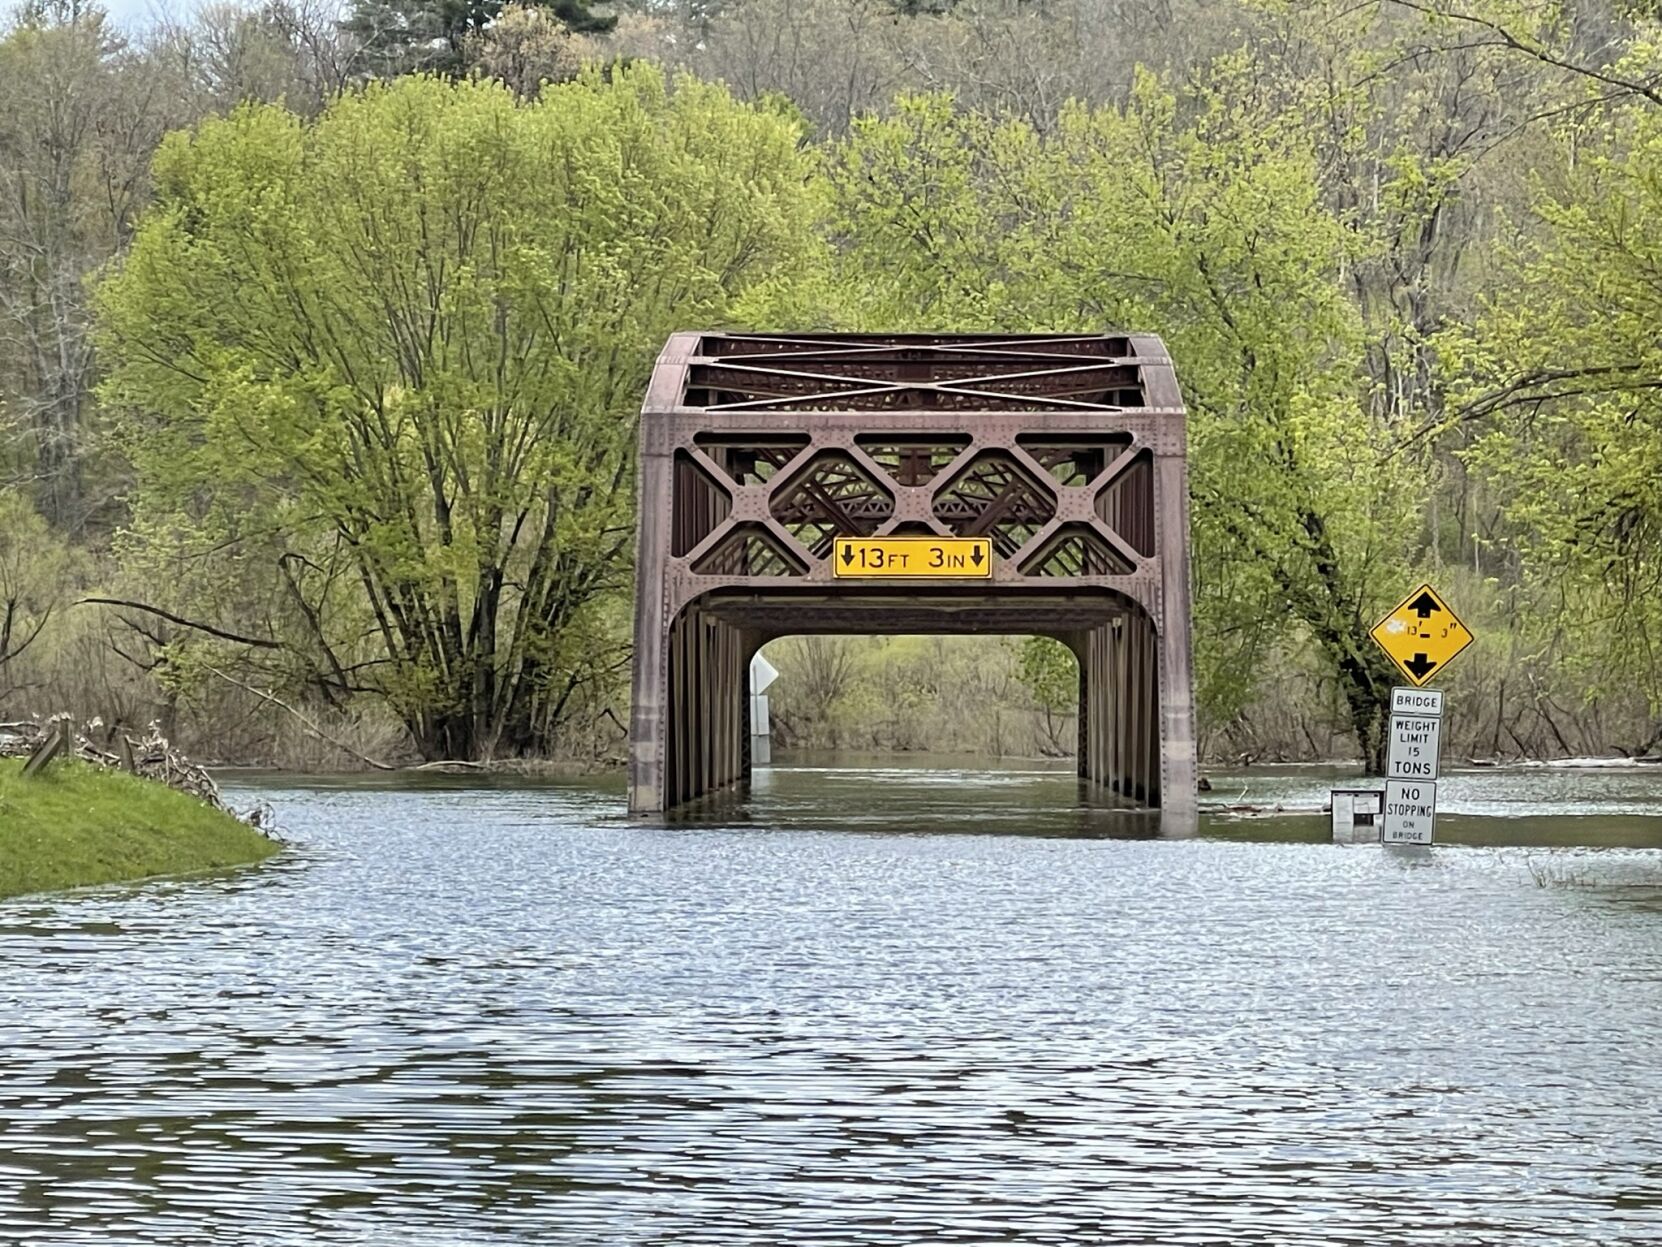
pixel 870 1006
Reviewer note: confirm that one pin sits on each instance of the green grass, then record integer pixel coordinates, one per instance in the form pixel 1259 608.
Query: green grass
pixel 78 824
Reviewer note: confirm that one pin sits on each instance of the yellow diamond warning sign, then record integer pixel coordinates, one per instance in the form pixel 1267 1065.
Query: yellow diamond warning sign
pixel 1421 635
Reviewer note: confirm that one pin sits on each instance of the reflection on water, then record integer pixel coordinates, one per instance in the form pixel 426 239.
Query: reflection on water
pixel 471 1015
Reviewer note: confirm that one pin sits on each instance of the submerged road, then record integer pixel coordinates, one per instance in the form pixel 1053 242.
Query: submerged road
pixel 865 1008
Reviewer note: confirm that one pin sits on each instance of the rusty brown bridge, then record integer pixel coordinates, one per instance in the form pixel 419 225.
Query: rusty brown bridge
pixel 1066 451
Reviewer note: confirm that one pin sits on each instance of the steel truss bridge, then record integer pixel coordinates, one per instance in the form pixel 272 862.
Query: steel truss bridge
pixel 1066 451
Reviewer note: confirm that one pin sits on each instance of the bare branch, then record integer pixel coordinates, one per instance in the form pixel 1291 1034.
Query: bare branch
pixel 221 633
pixel 311 727
pixel 1650 90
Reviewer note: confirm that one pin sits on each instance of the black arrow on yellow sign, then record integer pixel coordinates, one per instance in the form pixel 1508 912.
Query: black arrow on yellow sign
pixel 1419 664
pixel 1419 647
pixel 848 555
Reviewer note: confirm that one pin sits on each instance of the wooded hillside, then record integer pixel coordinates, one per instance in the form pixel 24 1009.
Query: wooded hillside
pixel 322 335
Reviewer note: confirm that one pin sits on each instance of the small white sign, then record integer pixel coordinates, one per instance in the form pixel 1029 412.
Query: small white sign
pixel 1356 815
pixel 1416 701
pixel 1416 741
pixel 1410 811
pixel 763 674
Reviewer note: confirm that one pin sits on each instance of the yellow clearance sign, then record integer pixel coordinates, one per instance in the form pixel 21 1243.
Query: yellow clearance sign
pixel 1421 635
pixel 960 558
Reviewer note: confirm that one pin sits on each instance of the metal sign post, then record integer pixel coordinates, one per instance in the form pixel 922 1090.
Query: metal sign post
pixel 1421 635
pixel 1411 766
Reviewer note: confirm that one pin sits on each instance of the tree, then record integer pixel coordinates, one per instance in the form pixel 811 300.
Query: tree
pixel 1050 674
pixel 80 113
pixel 526 48
pixel 832 59
pixel 229 52
pixel 36 570
pixel 816 673
pixel 838 59
pixel 1204 223
pixel 378 373
pixel 1562 379
pixel 413 36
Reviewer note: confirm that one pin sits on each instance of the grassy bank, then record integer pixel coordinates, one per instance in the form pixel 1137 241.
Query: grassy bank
pixel 79 824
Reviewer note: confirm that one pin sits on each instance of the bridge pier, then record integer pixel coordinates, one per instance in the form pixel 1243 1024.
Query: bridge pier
pixel 708 712
pixel 1119 729
pixel 1066 452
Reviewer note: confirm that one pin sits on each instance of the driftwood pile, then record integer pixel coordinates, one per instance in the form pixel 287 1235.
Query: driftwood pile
pixel 148 756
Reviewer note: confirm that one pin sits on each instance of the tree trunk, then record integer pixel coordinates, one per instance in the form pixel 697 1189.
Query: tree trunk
pixel 1370 712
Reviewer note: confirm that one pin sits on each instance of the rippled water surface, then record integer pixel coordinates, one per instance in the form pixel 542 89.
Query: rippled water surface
pixel 865 1007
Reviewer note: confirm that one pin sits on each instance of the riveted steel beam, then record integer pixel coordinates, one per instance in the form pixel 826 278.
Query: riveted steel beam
pixel 1068 450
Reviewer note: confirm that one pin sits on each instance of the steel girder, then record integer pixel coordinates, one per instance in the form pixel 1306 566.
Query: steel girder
pixel 1067 451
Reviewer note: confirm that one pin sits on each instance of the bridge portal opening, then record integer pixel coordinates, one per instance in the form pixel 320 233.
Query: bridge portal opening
pixel 836 701
pixel 1114 646
pixel 1041 480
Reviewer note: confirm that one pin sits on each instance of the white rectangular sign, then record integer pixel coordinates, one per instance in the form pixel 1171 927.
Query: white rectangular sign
pixel 1356 815
pixel 1427 701
pixel 1414 746
pixel 1410 811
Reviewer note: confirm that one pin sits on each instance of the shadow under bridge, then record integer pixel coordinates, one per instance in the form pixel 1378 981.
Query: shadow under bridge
pixel 763 455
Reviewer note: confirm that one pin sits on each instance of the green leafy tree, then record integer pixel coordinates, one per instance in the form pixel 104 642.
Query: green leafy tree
pixel 1562 376
pixel 37 571
pixel 1220 239
pixel 378 373
pixel 1204 223
pixel 1050 674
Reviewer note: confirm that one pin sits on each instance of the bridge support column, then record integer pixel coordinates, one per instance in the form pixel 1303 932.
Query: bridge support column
pixel 1119 712
pixel 703 715
pixel 1179 803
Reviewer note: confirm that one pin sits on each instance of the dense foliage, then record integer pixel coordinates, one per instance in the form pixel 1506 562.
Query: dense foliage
pixel 377 372
pixel 1209 228
pixel 350 447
